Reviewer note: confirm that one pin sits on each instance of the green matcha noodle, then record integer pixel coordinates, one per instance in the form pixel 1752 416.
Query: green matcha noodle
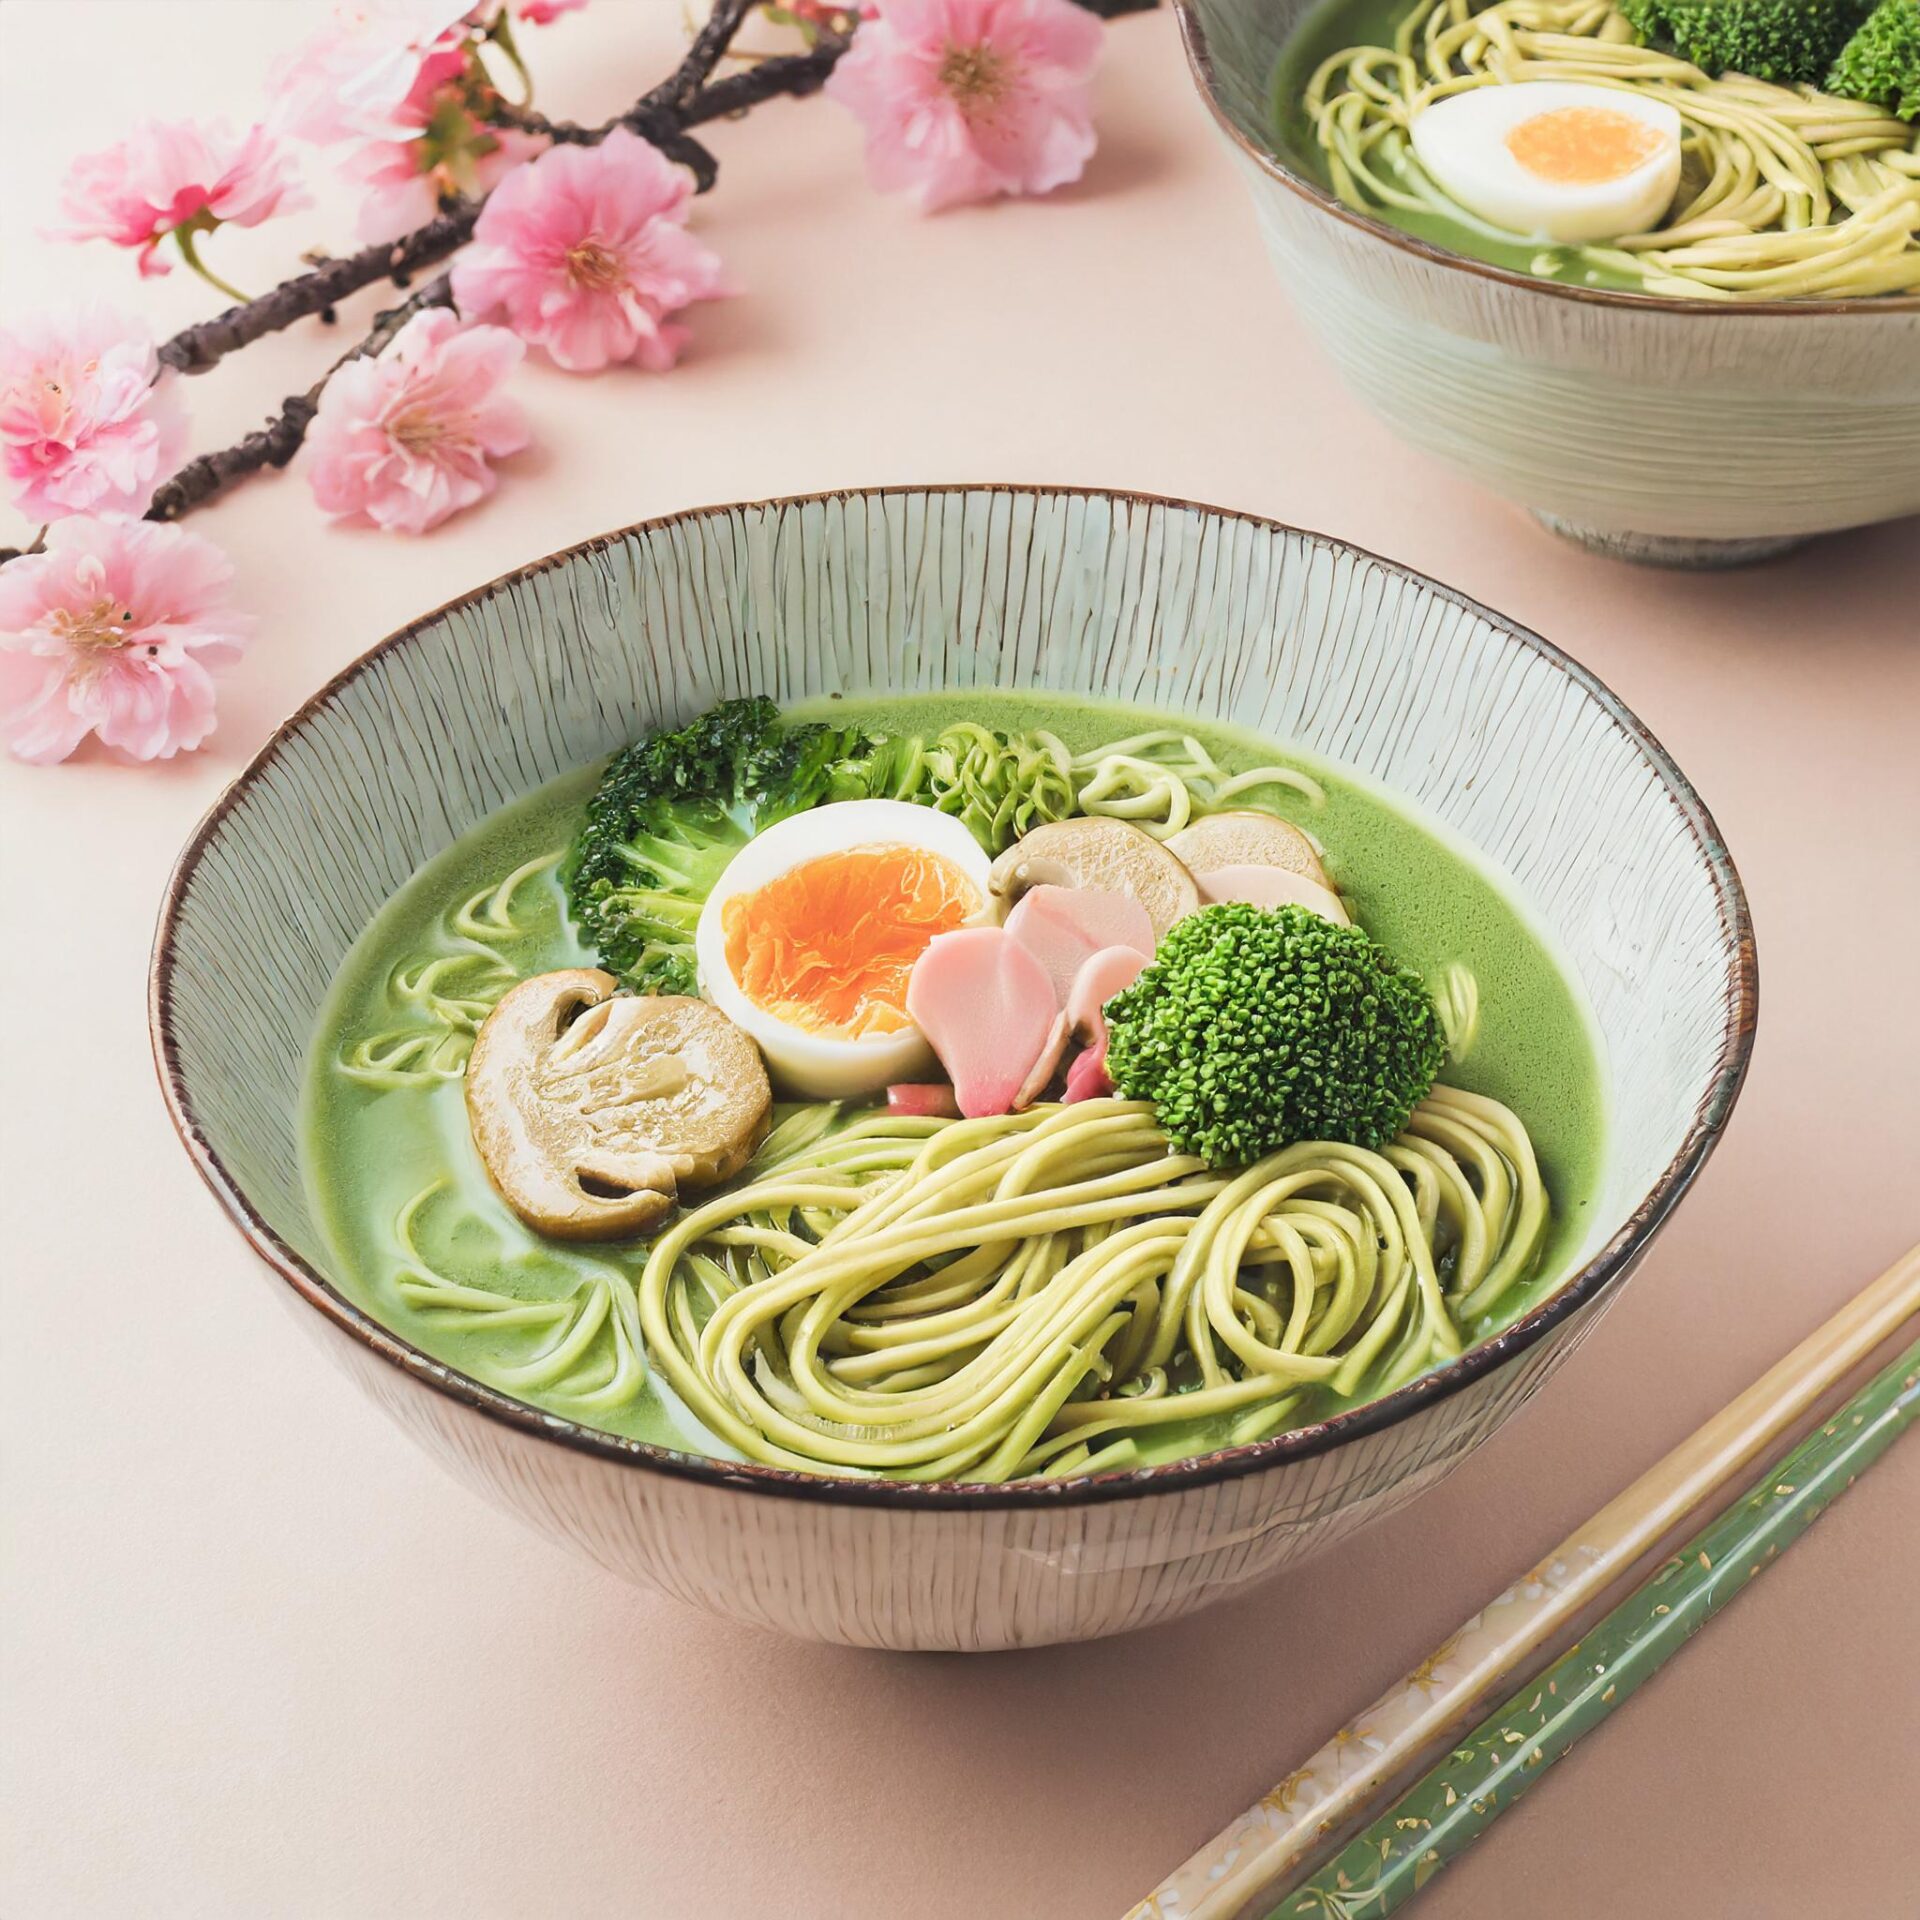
pixel 928 1307
pixel 1786 193
pixel 1048 1292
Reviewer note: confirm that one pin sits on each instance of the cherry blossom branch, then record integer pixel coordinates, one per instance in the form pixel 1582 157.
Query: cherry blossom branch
pixel 204 345
pixel 689 97
pixel 279 440
pixel 665 113
pixel 795 73
pixel 708 48
pixel 659 115
pixel 684 99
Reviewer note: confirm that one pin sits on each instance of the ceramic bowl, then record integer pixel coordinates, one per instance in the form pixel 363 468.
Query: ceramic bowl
pixel 1508 742
pixel 1684 432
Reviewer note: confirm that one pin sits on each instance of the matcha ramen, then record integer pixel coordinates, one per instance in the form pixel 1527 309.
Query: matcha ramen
pixel 1741 150
pixel 952 1087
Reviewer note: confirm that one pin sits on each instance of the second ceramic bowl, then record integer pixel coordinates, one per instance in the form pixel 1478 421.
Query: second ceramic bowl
pixel 1683 432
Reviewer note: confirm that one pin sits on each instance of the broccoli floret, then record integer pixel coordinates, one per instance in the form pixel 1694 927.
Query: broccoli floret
pixel 1785 41
pixel 640 905
pixel 1881 63
pixel 674 808
pixel 1255 1028
pixel 701 761
pixel 660 828
pixel 806 766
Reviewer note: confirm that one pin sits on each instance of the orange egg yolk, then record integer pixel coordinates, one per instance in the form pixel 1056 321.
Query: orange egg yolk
pixel 828 945
pixel 1582 146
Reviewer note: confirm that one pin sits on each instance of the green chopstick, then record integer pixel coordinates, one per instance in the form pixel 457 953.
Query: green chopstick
pixel 1446 1811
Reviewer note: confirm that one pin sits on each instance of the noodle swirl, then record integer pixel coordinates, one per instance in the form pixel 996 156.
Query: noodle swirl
pixel 1787 193
pixel 446 995
pixel 985 1299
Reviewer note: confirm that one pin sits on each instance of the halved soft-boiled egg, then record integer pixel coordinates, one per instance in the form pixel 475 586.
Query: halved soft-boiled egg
pixel 811 935
pixel 1553 159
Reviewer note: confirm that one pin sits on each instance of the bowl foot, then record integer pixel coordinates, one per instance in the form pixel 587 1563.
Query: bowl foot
pixel 1673 550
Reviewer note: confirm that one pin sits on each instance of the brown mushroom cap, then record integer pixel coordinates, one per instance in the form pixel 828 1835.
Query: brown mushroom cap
pixel 1111 856
pixel 591 1109
pixel 1244 838
pixel 1272 887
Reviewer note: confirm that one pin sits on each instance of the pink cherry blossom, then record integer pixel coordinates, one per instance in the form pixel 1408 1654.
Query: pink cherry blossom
pixel 113 631
pixel 405 439
pixel 964 99
pixel 168 175
pixel 405 179
pixel 84 425
pixel 356 75
pixel 585 252
pixel 539 13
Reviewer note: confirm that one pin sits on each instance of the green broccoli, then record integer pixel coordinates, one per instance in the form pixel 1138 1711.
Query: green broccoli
pixel 1786 41
pixel 1881 63
pixel 641 918
pixel 659 829
pixel 700 761
pixel 1252 1029
pixel 674 808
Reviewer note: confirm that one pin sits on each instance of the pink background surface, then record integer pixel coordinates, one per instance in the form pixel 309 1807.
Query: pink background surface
pixel 262 1658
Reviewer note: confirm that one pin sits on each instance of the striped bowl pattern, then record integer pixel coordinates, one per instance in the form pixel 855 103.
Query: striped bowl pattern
pixel 1681 432
pixel 1211 613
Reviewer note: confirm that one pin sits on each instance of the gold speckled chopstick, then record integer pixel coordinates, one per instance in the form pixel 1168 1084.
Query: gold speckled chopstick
pixel 1235 1876
pixel 1504 1758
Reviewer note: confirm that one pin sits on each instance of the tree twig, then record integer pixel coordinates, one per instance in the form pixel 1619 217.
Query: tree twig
pixel 688 97
pixel 205 344
pixel 683 99
pixel 798 74
pixel 274 444
pixel 706 51
pixel 663 122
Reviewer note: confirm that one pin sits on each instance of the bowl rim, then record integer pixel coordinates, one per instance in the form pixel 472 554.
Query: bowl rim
pixel 1610 1263
pixel 1193 36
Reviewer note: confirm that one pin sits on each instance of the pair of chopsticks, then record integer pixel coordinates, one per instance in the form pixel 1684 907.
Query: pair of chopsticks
pixel 1239 1875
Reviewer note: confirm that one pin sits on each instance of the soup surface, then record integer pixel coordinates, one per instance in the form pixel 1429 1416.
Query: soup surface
pixel 1559 139
pixel 402 1194
pixel 1337 24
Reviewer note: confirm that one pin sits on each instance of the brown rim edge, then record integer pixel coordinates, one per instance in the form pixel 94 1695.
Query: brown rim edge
pixel 1702 1136
pixel 1193 37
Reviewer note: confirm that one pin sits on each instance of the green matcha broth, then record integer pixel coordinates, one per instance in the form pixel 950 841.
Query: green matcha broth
pixel 1338 24
pixel 371 1151
pixel 1782 192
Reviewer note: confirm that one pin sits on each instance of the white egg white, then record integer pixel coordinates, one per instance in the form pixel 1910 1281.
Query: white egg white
pixel 819 1066
pixel 1462 143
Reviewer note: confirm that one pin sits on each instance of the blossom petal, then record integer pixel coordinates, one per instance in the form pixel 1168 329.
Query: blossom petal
pixel 1011 116
pixel 87 424
pixel 112 630
pixel 407 438
pixel 584 252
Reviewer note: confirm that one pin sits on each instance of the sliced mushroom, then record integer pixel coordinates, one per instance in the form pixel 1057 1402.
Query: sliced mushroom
pixel 1107 855
pixel 1272 887
pixel 591 1109
pixel 1245 838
